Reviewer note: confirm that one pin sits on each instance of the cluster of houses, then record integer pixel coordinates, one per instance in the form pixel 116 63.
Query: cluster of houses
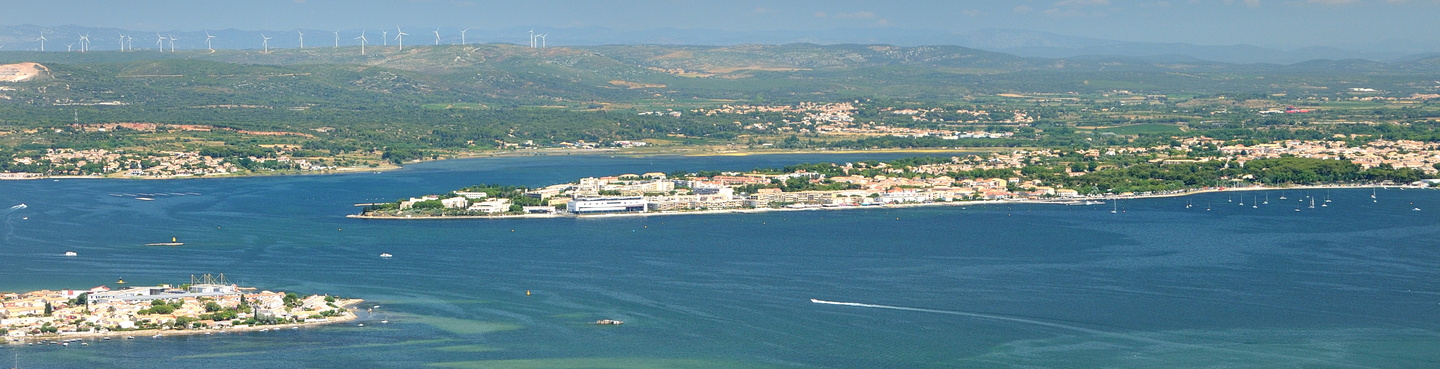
pixel 654 192
pixel 162 164
pixel 102 310
pixel 1417 155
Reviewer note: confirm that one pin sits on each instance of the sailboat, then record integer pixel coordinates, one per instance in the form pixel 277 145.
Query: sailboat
pixel 1116 208
pixel 1253 204
pixel 1187 204
pixel 1312 202
pixel 1207 206
pixel 1267 198
pixel 1282 195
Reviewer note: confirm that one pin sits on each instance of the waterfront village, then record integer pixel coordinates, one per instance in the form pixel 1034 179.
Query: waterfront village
pixel 207 304
pixel 974 177
pixel 162 163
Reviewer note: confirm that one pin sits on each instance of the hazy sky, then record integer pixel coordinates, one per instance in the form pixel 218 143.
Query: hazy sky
pixel 1213 22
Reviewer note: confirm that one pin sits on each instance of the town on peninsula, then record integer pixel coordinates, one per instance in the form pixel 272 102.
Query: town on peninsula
pixel 1065 176
pixel 206 305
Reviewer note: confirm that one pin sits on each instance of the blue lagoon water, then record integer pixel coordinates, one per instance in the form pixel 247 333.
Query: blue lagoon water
pixel 1352 284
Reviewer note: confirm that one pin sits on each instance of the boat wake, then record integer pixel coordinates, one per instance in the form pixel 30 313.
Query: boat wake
pixel 1092 331
pixel 18 207
pixel 972 315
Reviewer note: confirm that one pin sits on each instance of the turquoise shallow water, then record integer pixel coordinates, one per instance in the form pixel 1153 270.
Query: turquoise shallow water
pixel 1158 285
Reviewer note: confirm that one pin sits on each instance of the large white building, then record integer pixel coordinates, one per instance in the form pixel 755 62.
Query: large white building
pixel 606 204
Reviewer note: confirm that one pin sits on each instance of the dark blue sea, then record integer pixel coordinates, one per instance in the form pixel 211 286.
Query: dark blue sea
pixel 1352 283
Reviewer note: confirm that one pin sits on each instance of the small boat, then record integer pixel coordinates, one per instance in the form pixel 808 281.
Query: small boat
pixel 360 325
pixel 384 322
pixel 144 199
pixel 1415 209
pixel 173 242
pixel 129 337
pixel 608 322
pixel 70 253
pixel 386 255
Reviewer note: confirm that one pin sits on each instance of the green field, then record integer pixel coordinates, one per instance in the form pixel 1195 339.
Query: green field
pixel 1148 128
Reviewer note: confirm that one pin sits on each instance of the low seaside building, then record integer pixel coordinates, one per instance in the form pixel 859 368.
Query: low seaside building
pixel 499 205
pixel 606 205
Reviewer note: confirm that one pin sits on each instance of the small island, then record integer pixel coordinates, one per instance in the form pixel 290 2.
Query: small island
pixel 205 305
pixel 1068 176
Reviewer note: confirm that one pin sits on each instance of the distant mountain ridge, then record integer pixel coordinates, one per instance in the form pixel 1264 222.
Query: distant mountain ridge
pixel 1017 42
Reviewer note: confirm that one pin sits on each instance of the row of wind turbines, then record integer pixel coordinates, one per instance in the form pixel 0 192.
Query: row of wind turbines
pixel 127 42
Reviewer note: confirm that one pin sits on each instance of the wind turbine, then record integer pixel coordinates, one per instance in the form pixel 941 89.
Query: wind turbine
pixel 122 41
pixel 84 42
pixel 400 38
pixel 68 47
pixel 337 39
pixel 437 37
pixel 207 41
pixel 160 41
pixel 384 38
pixel 130 43
pixel 265 42
pixel 542 38
pixel 172 43
pixel 42 40
pixel 362 41
pixel 302 39
pixel 532 38
pixel 462 36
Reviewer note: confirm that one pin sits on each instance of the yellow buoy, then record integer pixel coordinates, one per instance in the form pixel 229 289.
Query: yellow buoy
pixel 527 292
pixel 172 239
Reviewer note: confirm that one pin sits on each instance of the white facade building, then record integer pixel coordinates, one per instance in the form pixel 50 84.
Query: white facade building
pixel 606 204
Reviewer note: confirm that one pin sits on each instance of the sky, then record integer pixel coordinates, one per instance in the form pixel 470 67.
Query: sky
pixel 1269 23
